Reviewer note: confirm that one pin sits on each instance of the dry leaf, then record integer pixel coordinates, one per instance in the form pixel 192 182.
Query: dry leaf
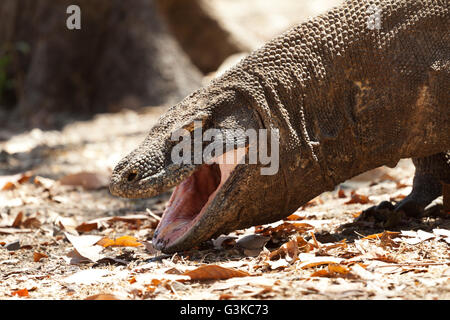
pixel 86 247
pixel 321 273
pixel 337 268
pixel 37 256
pixel 385 258
pixel 8 186
pixel 358 198
pixel 340 244
pixel 105 242
pixel 294 217
pixel 225 296
pixel 288 251
pixel 18 220
pixel 333 270
pixel 125 241
pixel 32 223
pixel 214 272
pixel 87 180
pixel 386 239
pixel 357 214
pixel 21 293
pixel 10 182
pixel 86 227
pixel 341 194
pixel 390 234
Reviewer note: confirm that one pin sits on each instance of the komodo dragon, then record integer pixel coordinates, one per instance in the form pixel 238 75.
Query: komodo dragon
pixel 361 86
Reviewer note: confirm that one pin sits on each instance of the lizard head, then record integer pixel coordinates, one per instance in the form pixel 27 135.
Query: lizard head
pixel 203 148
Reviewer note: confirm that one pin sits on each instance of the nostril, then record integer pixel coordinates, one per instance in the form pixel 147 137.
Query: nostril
pixel 132 175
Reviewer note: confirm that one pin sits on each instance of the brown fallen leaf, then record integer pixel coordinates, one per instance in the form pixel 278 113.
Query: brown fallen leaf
pixel 337 268
pixel 87 180
pixel 8 186
pixel 321 273
pixel 332 270
pixel 18 220
pixel 31 223
pixel 340 244
pixel 386 240
pixel 214 272
pixel 11 182
pixel 341 194
pixel 357 214
pixel 358 198
pixel 385 258
pixel 125 241
pixel 86 227
pixel 288 251
pixel 105 242
pixel 21 293
pixel 294 217
pixel 390 234
pixel 37 256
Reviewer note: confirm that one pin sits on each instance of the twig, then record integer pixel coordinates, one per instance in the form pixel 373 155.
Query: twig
pixel 153 215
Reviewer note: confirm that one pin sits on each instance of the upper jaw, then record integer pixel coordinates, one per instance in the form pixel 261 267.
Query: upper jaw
pixel 149 186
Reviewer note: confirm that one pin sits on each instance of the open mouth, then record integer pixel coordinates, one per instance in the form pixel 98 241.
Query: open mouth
pixel 190 201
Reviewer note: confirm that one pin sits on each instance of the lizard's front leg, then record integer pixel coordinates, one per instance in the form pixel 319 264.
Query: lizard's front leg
pixel 431 173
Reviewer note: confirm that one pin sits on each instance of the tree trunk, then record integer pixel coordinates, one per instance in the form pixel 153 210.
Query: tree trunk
pixel 122 57
pixel 207 42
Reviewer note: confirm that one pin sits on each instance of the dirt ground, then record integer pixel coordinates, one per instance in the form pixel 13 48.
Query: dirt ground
pixel 63 236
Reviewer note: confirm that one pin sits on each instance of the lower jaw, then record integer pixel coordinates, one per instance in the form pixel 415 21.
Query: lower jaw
pixel 173 232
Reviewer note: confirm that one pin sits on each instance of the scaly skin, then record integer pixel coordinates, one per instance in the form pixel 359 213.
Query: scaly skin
pixel 346 99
